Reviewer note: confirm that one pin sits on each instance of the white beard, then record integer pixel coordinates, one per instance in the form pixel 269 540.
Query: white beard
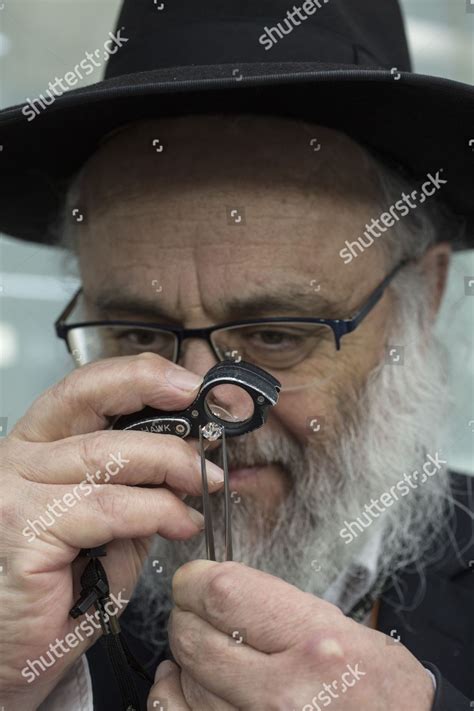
pixel 388 429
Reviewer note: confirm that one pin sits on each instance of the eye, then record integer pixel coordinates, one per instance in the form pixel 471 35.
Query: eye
pixel 133 340
pixel 139 337
pixel 275 338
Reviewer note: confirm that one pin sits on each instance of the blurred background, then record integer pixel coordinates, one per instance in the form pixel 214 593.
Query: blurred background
pixel 40 39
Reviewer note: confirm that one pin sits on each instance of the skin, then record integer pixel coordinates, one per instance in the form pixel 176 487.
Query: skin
pixel 162 216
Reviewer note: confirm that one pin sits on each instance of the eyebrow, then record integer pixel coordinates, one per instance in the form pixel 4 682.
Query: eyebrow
pixel 284 302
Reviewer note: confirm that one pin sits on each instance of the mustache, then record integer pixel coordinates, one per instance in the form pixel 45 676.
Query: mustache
pixel 258 449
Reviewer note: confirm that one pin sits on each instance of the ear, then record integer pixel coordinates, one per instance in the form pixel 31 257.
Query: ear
pixel 434 265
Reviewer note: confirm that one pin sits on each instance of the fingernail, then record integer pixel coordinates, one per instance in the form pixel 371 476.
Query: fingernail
pixel 183 379
pixel 196 517
pixel 164 669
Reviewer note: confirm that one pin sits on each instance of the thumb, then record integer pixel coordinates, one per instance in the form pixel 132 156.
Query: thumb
pixel 166 693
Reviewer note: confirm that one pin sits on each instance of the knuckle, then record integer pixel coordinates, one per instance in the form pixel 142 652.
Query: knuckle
pixel 221 594
pixel 324 649
pixel 91 449
pixel 110 501
pixel 144 366
pixel 188 645
pixel 148 355
pixel 185 638
pixel 65 389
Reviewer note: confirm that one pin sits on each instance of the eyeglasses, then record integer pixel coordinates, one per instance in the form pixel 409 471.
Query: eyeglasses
pixel 295 350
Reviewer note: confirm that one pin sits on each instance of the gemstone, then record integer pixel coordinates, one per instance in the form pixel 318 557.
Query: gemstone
pixel 212 431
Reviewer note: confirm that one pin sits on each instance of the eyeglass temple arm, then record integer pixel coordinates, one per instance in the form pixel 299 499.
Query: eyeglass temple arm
pixel 59 323
pixel 375 297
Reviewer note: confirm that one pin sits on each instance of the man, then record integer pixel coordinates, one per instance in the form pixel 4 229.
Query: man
pixel 354 583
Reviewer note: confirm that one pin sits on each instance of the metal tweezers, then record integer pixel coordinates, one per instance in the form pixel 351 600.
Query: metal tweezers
pixel 206 504
pixel 199 421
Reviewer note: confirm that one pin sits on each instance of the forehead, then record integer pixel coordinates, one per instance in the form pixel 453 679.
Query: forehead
pixel 229 201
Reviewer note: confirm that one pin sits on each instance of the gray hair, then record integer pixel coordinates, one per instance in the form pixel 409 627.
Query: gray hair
pixel 423 227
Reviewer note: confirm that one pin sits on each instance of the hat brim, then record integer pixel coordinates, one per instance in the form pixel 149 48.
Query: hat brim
pixel 422 123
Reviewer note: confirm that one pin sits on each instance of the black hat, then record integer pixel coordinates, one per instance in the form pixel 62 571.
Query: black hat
pixel 340 63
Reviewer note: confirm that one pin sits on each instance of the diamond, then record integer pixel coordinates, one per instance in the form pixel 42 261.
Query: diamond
pixel 212 431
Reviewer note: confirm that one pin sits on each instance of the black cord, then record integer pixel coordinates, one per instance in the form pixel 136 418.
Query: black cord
pixel 118 660
pixel 95 591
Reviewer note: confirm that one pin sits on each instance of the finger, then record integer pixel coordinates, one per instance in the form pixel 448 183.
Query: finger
pixel 166 693
pixel 232 596
pixel 219 662
pixel 134 458
pixel 86 398
pixel 109 513
pixel 201 699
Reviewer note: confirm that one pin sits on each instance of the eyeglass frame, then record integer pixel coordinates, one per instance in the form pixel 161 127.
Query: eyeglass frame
pixel 339 327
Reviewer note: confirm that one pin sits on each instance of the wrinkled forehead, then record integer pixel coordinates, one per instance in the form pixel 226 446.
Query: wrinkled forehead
pixel 260 152
pixel 261 193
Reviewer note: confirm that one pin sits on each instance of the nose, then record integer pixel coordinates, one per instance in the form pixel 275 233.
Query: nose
pixel 197 356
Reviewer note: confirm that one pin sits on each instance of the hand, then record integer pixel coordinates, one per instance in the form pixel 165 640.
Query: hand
pixel 173 686
pixel 298 652
pixel 45 460
pixel 167 693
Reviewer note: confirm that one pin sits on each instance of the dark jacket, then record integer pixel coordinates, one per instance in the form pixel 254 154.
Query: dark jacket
pixel 431 612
